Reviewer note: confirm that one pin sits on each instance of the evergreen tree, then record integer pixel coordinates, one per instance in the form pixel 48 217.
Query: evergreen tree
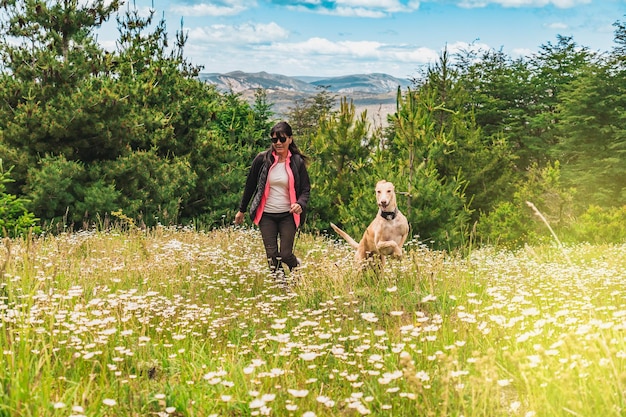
pixel 436 206
pixel 306 114
pixel 340 152
pixel 131 130
pixel 553 68
pixel 15 219
pixel 486 163
pixel 52 96
pixel 592 147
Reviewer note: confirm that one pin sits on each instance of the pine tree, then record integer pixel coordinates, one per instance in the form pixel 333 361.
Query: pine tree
pixel 340 152
pixel 51 66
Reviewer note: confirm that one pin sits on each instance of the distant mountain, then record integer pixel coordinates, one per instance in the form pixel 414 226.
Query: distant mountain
pixel 238 81
pixel 375 93
pixel 363 83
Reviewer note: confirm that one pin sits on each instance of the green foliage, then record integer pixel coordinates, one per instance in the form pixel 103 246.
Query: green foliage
pixel 15 219
pixel 340 151
pixel 145 185
pixel 54 187
pixel 505 226
pixel 553 70
pixel 485 162
pixel 436 206
pixel 150 187
pixel 513 223
pixel 134 131
pixel 593 137
pixel 306 114
pixel 597 225
pixel 99 199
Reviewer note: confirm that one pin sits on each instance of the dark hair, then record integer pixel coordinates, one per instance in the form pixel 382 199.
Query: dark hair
pixel 283 129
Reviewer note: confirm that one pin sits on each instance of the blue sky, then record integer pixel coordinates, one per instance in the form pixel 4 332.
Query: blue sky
pixel 397 37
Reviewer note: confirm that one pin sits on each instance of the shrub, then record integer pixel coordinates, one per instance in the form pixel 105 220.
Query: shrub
pixel 598 225
pixel 15 220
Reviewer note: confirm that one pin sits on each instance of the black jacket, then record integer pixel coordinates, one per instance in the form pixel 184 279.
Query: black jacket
pixel 257 179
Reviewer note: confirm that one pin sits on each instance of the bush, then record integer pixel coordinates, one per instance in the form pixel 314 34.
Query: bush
pixel 15 220
pixel 598 225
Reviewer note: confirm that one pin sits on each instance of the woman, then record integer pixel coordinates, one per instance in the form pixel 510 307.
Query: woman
pixel 278 185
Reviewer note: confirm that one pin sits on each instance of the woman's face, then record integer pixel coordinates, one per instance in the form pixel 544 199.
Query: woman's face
pixel 281 148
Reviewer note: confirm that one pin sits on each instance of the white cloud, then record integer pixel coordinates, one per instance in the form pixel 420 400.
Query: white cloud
pixel 224 8
pixel 357 8
pixel 388 6
pixel 557 26
pixel 562 4
pixel 315 56
pixel 353 12
pixel 522 52
pixel 358 50
pixel 251 33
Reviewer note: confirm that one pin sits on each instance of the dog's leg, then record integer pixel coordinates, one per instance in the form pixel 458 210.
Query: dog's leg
pixel 389 247
pixel 361 254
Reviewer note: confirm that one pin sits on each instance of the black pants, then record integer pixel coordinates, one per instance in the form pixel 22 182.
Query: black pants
pixel 274 226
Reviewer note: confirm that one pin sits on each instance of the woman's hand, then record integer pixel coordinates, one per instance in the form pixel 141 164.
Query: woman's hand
pixel 296 208
pixel 239 217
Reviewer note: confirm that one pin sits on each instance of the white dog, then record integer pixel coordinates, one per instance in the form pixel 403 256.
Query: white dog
pixel 386 234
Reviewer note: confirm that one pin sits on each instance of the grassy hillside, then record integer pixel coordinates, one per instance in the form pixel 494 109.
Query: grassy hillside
pixel 174 322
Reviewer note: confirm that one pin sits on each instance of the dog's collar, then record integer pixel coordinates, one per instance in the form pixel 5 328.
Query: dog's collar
pixel 389 215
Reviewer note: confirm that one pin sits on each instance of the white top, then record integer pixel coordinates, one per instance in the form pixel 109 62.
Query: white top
pixel 278 199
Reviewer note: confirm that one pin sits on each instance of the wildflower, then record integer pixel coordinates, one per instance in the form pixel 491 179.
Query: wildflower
pixel 268 397
pixel 504 382
pixel 298 393
pixel 375 358
pixel 371 317
pixel 110 402
pixel 308 356
pixel 256 403
pixel 428 298
pixel 422 376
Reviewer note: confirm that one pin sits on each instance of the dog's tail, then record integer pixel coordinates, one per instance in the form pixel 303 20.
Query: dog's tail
pixel 346 236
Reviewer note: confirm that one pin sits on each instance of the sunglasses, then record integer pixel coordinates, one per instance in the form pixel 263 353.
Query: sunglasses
pixel 282 139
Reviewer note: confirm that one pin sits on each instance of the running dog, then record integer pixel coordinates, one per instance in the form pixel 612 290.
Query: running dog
pixel 386 234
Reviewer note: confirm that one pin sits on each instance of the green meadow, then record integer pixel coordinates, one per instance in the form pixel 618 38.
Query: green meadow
pixel 176 322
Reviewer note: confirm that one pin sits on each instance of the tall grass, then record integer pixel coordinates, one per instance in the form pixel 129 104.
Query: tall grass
pixel 174 322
